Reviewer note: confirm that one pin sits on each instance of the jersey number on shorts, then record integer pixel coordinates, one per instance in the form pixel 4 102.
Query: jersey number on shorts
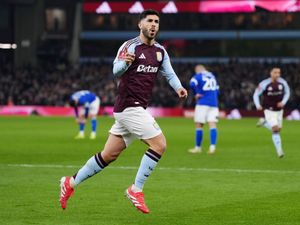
pixel 210 84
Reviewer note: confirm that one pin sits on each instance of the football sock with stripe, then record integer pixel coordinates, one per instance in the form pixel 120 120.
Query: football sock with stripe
pixel 148 163
pixel 199 137
pixel 94 165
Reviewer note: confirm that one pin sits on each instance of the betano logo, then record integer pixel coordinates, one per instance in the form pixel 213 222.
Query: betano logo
pixel 147 69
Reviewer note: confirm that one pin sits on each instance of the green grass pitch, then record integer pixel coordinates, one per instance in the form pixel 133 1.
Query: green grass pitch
pixel 244 183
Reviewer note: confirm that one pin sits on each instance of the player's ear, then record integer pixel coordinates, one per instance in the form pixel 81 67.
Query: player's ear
pixel 140 25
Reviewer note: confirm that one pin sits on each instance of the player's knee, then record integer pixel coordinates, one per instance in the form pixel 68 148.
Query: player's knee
pixel 109 157
pixel 276 129
pixel 212 125
pixel 92 116
pixel 159 147
pixel 199 125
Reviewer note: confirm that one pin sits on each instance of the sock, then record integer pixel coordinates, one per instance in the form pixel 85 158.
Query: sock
pixel 267 125
pixel 94 125
pixel 94 165
pixel 148 163
pixel 213 136
pixel 199 137
pixel 81 128
pixel 277 143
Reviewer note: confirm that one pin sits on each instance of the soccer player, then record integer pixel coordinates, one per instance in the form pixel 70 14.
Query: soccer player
pixel 205 88
pixel 86 105
pixel 137 65
pixel 275 92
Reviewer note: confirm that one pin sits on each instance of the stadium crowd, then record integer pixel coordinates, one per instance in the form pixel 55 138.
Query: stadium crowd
pixel 52 85
pixel 227 21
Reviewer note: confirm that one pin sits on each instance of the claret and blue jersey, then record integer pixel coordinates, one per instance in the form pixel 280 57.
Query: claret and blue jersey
pixel 206 85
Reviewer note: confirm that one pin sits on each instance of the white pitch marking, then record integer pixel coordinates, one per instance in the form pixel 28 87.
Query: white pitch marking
pixel 160 168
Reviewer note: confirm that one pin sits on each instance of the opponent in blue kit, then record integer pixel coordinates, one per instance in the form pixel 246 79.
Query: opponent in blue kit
pixel 86 105
pixel 205 88
pixel 275 93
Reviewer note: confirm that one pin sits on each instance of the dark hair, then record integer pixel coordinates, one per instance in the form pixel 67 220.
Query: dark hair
pixel 147 12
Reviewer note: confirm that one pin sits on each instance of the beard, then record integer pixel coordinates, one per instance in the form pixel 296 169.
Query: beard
pixel 149 34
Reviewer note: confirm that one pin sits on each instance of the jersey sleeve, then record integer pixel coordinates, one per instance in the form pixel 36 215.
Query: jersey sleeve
pixel 258 91
pixel 119 64
pixel 194 84
pixel 167 71
pixel 287 92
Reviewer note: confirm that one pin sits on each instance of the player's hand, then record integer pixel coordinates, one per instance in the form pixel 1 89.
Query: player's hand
pixel 259 108
pixel 197 96
pixel 280 105
pixel 80 120
pixel 182 93
pixel 129 58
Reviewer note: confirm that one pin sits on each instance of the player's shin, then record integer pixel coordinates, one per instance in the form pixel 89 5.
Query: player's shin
pixel 213 136
pixel 148 163
pixel 81 128
pixel 277 143
pixel 93 166
pixel 199 137
pixel 94 124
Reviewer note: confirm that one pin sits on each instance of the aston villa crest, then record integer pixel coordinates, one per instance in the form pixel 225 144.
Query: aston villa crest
pixel 158 56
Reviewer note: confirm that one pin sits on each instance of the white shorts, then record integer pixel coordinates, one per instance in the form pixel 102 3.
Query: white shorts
pixel 274 118
pixel 135 123
pixel 204 113
pixel 93 108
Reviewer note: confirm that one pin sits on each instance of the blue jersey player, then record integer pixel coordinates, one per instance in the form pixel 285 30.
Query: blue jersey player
pixel 86 105
pixel 205 88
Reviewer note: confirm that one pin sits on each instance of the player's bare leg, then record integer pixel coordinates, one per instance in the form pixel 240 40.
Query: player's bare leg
pixel 157 147
pixel 112 149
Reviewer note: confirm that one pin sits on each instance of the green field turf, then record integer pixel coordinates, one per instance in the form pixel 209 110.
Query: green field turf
pixel 244 183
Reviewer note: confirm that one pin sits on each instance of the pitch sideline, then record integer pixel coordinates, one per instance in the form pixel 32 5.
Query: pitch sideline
pixel 230 170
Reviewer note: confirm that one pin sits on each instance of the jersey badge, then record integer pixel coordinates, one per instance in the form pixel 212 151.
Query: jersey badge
pixel 159 56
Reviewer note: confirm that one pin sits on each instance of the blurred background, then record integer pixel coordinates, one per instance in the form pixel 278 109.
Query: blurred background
pixel 51 48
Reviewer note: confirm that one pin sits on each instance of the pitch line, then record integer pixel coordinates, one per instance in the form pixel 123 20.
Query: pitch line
pixel 160 168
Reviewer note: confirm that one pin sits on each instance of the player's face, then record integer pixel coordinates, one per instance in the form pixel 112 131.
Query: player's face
pixel 149 26
pixel 275 73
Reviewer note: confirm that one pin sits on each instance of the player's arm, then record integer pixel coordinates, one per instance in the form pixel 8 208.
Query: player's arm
pixel 74 103
pixel 78 118
pixel 258 91
pixel 167 71
pixel 76 111
pixel 193 85
pixel 286 95
pixel 124 59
